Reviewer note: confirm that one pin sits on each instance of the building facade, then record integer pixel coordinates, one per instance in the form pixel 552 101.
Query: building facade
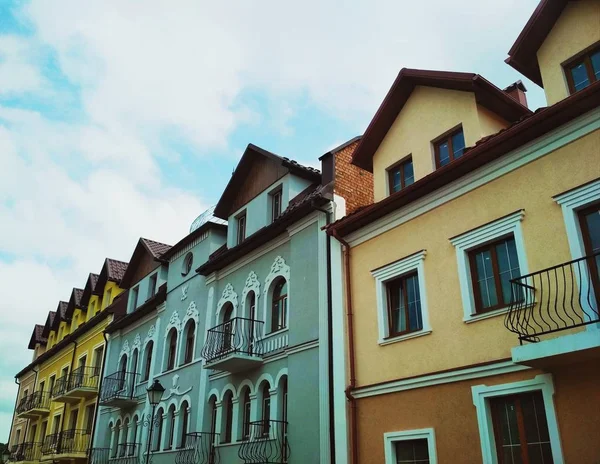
pixel 471 289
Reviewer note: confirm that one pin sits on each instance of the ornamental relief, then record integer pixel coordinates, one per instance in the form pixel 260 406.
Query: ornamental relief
pixel 173 322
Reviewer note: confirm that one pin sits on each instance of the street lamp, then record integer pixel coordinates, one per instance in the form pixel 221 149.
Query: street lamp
pixel 5 454
pixel 155 392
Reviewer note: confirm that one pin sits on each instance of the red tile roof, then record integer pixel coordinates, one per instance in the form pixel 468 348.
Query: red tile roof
pixel 157 249
pixel 116 269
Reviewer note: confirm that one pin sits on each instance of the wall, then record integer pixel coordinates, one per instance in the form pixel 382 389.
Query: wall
pixel 576 29
pixel 143 286
pixel 26 382
pixel 352 183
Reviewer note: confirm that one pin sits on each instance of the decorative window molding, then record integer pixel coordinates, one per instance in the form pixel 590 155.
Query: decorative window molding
pixel 571 202
pixel 191 313
pixel 252 285
pixel 279 268
pixel 389 272
pixel 505 226
pixel 481 396
pixel 228 296
pixel 173 322
pixel 124 349
pixel 391 438
pixel 137 341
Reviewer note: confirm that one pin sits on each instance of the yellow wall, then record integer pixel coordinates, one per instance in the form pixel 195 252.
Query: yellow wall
pixel 454 343
pixel 577 28
pixel 26 382
pixel 428 113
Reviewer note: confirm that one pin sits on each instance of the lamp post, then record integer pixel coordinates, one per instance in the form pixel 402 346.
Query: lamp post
pixel 155 392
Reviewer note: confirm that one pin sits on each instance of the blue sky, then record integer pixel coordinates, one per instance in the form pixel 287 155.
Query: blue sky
pixel 121 118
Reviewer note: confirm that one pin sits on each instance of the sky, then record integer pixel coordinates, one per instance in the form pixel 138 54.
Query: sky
pixel 125 118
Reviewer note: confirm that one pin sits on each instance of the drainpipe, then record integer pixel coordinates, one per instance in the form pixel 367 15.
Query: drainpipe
pixel 352 368
pixel 96 411
pixel 12 424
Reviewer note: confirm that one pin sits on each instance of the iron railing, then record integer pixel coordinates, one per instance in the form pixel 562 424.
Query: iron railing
pixel 121 385
pixel 60 386
pixel 37 400
pixel 558 298
pixel 84 377
pixel 73 441
pixel 236 336
pixel 30 451
pixel 99 456
pixel 268 443
pixel 199 448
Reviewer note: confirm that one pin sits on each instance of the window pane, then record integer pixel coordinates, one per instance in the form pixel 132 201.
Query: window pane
pixel 414 303
pixel 398 308
pixel 412 451
pixel 443 153
pixel 508 266
pixel 458 144
pixel 396 180
pixel 485 279
pixel 595 58
pixel 592 221
pixel 580 77
pixel 409 176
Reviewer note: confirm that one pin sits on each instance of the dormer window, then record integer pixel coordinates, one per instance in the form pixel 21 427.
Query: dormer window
pixel 449 147
pixel 401 175
pixel 241 228
pixel 275 205
pixel 134 297
pixel 152 286
pixel 583 70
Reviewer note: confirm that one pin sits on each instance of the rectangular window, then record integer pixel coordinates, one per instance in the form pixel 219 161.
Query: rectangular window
pixel 583 70
pixel 492 267
pixel 412 451
pixel 152 285
pixel 241 228
pixel 107 297
pixel 246 423
pixel 401 175
pixel 404 305
pixel 93 308
pixel 449 147
pixel 51 381
pixel 410 447
pixel 521 429
pixel 589 221
pixel 275 205
pixel 134 297
pixel 89 418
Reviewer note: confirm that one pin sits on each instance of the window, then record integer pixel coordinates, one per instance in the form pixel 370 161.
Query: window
pixel 89 418
pixel 171 419
pixel 152 286
pixel 241 228
pixel 148 360
pixel 134 298
pixel 492 267
pixel 97 357
pixel 158 429
pixel 279 306
pixel 228 405
pixel 401 299
pixel 108 297
pixel 172 344
pixel 246 405
pixel 449 148
pixel 189 342
pixel 276 205
pixel 51 382
pixel 122 371
pixel 187 264
pixel 401 175
pixel 266 409
pixel 185 418
pixel 73 418
pixel 589 220
pixel 583 70
pixel 93 308
pixel 227 328
pixel 410 447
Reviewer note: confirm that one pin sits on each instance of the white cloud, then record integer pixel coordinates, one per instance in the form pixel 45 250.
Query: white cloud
pixel 17 73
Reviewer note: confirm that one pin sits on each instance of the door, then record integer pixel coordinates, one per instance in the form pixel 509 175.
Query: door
pixel 227 331
pixel 589 221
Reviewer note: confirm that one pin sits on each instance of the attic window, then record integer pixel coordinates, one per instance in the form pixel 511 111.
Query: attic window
pixel 276 204
pixel 187 264
pixel 583 70
pixel 401 175
pixel 449 147
pixel 241 228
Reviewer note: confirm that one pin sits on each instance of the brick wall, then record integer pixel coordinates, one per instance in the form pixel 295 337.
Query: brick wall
pixel 352 183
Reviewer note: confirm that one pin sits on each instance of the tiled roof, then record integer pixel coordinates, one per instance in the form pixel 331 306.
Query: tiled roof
pixel 156 248
pixel 51 316
pixel 37 336
pixel 62 309
pixel 116 269
pixel 94 280
pixel 77 293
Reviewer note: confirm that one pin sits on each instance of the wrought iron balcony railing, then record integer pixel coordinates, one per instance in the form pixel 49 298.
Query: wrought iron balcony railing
pixel 121 387
pixel 558 298
pixel 36 401
pixel 84 377
pixel 199 448
pixel 268 443
pixel 73 441
pixel 60 386
pixel 236 336
pixel 30 451
pixel 127 453
pixel 99 455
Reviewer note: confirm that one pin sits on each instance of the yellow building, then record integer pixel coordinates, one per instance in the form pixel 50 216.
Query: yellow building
pixel 58 392
pixel 471 286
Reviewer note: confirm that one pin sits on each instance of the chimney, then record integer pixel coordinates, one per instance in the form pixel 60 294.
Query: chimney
pixel 517 90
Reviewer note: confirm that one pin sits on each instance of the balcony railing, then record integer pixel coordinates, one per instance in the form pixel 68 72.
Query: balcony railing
pixel 199 449
pixel 99 456
pixel 125 453
pixel 81 383
pixel 30 451
pixel 121 389
pixel 236 340
pixel 559 298
pixel 72 442
pixel 268 443
pixel 36 404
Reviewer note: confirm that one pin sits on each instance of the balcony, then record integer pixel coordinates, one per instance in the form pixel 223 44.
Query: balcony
pixel 69 445
pixel 26 452
pixel 199 449
pixel 34 405
pixel 121 390
pixel 268 443
pixel 234 346
pixel 555 310
pixel 81 383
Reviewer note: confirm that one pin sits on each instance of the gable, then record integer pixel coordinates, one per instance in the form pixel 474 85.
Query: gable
pixel 143 265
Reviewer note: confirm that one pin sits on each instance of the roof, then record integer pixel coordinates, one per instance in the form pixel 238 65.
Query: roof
pixel 37 337
pixel 61 315
pixel 523 53
pixel 486 150
pixel 48 324
pixel 339 148
pixel 113 271
pixel 486 95
pixel 144 245
pixel 74 302
pixel 306 201
pixel 157 249
pixel 88 290
pixel 243 168
pixel 147 307
pixel 193 235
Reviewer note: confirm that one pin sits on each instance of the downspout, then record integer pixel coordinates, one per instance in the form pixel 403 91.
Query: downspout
pixel 96 411
pixel 12 424
pixel 352 368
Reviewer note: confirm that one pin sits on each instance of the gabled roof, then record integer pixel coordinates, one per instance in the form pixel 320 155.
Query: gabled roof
pixel 37 337
pixel 88 290
pixel 113 271
pixel 144 246
pixel 74 303
pixel 486 94
pixel 210 223
pixel 48 324
pixel 243 168
pixel 61 315
pixel 523 53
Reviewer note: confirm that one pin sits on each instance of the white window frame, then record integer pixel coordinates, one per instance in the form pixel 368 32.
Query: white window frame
pixel 391 438
pixel 483 393
pixel 392 271
pixel 508 225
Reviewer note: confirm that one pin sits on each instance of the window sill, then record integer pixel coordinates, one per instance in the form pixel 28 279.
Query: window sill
pixel 225 445
pixel 408 336
pixel 486 315
pixel 274 334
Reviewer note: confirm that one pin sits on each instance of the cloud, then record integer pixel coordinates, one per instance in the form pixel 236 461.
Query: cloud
pixel 18 74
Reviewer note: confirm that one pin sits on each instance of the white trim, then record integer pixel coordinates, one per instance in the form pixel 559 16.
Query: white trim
pixel 390 438
pixel 459 375
pixel 536 149
pixel 252 285
pixel 228 296
pixel 279 268
pixel 505 226
pixel 391 271
pixel 324 422
pixel 481 396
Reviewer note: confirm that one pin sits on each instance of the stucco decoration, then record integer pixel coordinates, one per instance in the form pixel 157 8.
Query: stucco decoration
pixel 278 269
pixel 174 390
pixel 184 292
pixel 137 341
pixel 173 322
pixel 228 296
pixel 150 335
pixel 252 285
pixel 125 348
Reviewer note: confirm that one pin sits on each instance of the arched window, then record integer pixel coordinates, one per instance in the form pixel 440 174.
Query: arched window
pixel 283 393
pixel 134 438
pixel 251 305
pixel 190 338
pixel 212 401
pixel 228 415
pixel 108 440
pixel 184 423
pixel 123 444
pixel 122 371
pixel 172 348
pixel 171 424
pixel 117 437
pixel 134 368
pixel 148 359
pixel 227 330
pixel 186 266
pixel 266 409
pixel 279 306
pixel 246 411
pixel 158 429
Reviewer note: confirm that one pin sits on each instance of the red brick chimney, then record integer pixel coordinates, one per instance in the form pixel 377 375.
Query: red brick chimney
pixel 517 91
